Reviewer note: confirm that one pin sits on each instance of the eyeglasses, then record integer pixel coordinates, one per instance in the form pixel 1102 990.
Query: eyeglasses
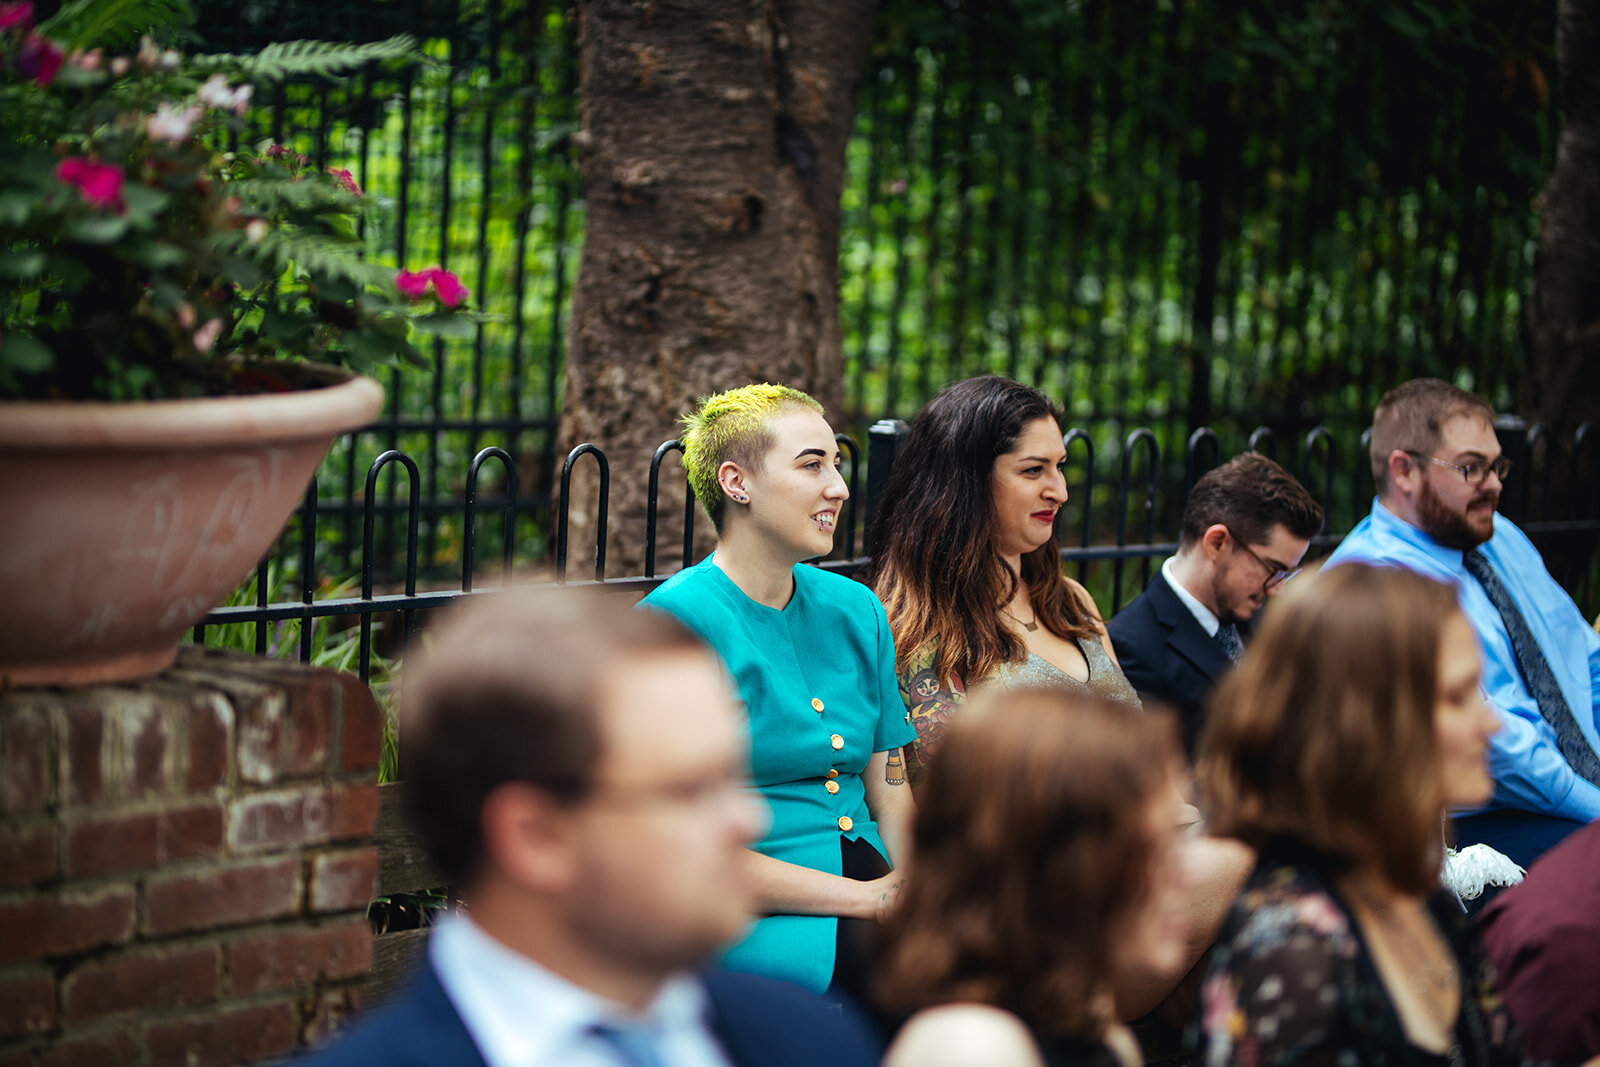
pixel 1277 573
pixel 1475 473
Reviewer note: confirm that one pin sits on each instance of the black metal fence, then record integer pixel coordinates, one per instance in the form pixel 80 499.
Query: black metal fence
pixel 1172 215
pixel 1120 521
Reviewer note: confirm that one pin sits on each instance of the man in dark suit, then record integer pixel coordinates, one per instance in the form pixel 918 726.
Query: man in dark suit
pixel 1246 527
pixel 580 772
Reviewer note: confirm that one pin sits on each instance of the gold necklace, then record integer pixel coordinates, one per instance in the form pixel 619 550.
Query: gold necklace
pixel 1031 627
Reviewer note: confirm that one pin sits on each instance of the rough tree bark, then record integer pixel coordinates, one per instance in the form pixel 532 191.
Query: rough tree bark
pixel 713 155
pixel 1562 383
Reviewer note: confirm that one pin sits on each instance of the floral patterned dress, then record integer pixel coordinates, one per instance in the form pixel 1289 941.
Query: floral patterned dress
pixel 1292 981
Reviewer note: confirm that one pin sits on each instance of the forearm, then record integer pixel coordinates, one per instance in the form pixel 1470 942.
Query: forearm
pixel 789 889
pixel 889 801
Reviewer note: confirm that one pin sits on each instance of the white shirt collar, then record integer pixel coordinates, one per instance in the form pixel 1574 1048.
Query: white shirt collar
pixel 521 1014
pixel 1202 614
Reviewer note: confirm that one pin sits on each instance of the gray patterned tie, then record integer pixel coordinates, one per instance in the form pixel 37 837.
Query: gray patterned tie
pixel 1536 672
pixel 1228 638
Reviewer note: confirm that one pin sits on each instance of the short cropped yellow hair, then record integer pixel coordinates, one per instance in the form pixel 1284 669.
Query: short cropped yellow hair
pixel 732 426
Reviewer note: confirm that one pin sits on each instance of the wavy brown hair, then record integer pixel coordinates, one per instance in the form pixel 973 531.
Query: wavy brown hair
pixel 1030 843
pixel 935 566
pixel 1325 732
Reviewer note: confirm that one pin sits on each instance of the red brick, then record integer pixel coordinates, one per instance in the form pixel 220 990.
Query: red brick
pixel 24 759
pixel 198 900
pixel 362 745
pixel 83 761
pixel 27 1003
pixel 160 978
pixel 209 756
pixel 333 1012
pixel 223 1038
pixel 189 832
pixel 27 854
pixel 102 1050
pixel 41 926
pixel 341 881
pixel 260 737
pixel 145 764
pixel 312 707
pixel 110 844
pixel 299 958
pixel 283 819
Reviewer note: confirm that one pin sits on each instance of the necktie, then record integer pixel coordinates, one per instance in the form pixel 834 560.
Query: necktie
pixel 635 1044
pixel 1536 672
pixel 1228 638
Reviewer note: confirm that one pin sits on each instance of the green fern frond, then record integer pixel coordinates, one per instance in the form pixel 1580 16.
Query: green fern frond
pixel 326 59
pixel 114 23
pixel 265 196
pixel 327 257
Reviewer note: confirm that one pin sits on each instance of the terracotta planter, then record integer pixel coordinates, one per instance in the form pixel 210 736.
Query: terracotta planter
pixel 122 525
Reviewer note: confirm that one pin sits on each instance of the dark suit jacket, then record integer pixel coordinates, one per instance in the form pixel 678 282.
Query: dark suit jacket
pixel 758 1021
pixel 1168 655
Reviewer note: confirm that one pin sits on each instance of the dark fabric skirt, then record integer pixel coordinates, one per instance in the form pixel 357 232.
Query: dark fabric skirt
pixel 852 955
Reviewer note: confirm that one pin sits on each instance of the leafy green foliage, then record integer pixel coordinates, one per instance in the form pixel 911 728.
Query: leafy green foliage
pixel 135 255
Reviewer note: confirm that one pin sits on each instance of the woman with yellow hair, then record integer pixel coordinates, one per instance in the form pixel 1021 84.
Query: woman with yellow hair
pixel 813 658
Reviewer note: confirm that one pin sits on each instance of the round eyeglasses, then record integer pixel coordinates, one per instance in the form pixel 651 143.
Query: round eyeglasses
pixel 1277 573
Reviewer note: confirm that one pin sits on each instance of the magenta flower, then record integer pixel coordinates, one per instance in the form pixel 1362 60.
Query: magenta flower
pixel 413 285
pixel 446 286
pixel 100 183
pixel 39 59
pixel 16 14
pixel 346 179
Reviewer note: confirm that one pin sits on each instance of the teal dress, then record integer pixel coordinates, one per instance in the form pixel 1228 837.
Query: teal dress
pixel 818 681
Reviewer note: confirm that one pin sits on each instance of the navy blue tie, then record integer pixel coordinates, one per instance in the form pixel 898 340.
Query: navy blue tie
pixel 1536 672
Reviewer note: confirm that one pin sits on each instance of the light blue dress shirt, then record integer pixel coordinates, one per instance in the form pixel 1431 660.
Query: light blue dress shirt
pixel 522 1015
pixel 1529 771
pixel 818 680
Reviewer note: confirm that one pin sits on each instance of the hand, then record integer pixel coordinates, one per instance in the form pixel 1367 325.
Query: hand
pixel 880 896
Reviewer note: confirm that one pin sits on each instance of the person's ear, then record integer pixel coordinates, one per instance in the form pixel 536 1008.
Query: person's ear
pixel 1214 540
pixel 1404 471
pixel 730 478
pixel 529 838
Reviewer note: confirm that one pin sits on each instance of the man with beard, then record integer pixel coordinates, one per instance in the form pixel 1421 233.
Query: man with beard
pixel 1438 469
pixel 1246 526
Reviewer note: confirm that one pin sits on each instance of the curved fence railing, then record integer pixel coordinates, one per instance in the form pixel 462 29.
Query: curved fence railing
pixel 1108 527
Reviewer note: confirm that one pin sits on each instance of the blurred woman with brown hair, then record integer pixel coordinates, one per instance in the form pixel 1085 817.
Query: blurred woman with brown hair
pixel 1335 749
pixel 1046 869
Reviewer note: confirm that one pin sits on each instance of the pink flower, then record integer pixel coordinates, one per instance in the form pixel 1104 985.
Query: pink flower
pixel 278 151
pixel 346 179
pixel 39 59
pixel 171 123
pixel 16 14
pixel 100 183
pixel 446 286
pixel 206 336
pixel 413 284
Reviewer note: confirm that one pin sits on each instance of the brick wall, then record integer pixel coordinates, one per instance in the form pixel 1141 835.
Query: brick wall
pixel 185 864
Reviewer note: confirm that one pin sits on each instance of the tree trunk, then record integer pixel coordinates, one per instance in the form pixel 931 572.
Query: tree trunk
pixel 713 156
pixel 1562 384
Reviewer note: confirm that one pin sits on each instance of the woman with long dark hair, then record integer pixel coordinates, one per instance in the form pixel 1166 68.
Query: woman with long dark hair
pixel 1046 869
pixel 966 561
pixel 1335 748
